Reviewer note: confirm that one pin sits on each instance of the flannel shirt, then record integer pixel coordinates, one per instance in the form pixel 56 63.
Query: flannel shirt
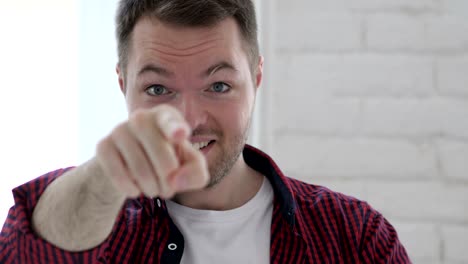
pixel 310 224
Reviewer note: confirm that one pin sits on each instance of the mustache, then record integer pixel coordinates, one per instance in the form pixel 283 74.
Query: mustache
pixel 203 131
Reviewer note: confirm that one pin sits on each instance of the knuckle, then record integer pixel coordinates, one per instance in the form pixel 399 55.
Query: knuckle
pixel 125 184
pixel 136 172
pixel 131 191
pixel 103 146
pixel 169 194
pixel 143 177
pixel 119 130
pixel 148 184
pixel 150 191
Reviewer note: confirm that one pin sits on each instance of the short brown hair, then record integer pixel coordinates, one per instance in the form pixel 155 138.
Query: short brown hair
pixel 190 13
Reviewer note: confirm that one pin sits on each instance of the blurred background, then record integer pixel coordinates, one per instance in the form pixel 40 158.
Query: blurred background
pixel 366 97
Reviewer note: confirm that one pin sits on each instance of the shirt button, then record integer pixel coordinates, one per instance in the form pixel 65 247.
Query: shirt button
pixel 172 246
pixel 158 202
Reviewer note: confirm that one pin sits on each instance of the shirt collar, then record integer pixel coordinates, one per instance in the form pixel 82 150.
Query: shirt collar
pixel 261 162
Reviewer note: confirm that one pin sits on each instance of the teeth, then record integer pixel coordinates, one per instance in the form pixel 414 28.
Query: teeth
pixel 200 145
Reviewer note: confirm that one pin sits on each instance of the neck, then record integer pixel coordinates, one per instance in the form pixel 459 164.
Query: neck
pixel 233 191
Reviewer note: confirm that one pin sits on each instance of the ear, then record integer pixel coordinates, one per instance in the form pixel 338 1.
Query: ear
pixel 259 72
pixel 120 76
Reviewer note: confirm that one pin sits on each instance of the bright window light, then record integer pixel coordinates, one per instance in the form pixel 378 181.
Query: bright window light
pixel 38 99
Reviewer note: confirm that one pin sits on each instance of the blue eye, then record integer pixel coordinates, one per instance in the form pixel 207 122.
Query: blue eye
pixel 220 87
pixel 157 90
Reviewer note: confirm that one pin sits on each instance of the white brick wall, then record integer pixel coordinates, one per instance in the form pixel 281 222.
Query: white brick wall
pixel 338 32
pixel 370 97
pixel 452 77
pixel 426 248
pixel 353 74
pixel 394 5
pixel 355 158
pixel 456 241
pixel 427 201
pixel 453 159
pixel 417 33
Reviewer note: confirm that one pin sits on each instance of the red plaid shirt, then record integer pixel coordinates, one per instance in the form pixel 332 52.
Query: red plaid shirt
pixel 310 224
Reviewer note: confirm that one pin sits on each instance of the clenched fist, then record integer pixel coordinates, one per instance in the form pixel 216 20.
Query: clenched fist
pixel 151 154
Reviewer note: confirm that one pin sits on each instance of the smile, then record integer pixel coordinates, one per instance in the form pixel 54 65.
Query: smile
pixel 202 145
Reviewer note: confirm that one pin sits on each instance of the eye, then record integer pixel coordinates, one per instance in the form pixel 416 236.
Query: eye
pixel 220 87
pixel 157 90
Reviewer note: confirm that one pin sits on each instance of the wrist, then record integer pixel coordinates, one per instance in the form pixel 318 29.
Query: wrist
pixel 101 187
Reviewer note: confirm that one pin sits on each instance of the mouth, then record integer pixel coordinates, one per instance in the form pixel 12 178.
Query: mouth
pixel 203 146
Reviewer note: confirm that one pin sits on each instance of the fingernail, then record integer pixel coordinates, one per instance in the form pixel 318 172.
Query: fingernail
pixel 172 127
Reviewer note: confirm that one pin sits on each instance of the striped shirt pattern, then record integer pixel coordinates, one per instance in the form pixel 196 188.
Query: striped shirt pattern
pixel 310 224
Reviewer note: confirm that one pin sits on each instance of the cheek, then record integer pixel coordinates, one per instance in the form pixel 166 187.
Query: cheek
pixel 132 103
pixel 136 101
pixel 134 98
pixel 234 117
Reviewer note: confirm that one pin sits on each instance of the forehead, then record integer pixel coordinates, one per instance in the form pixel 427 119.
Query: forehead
pixel 152 39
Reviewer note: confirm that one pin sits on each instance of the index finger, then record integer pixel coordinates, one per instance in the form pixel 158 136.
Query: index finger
pixel 193 172
pixel 171 123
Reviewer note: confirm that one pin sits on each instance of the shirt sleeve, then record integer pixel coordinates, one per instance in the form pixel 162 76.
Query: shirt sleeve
pixel 20 244
pixel 380 242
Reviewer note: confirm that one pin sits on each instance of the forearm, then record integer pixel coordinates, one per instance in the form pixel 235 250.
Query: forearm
pixel 78 210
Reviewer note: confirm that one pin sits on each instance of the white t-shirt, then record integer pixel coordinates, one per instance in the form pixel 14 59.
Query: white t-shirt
pixel 240 235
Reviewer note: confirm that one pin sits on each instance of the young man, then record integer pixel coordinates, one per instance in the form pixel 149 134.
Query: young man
pixel 176 182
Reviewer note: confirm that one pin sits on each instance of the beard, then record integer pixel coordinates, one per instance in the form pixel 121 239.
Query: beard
pixel 230 150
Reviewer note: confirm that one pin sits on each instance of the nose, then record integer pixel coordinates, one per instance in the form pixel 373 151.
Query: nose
pixel 192 109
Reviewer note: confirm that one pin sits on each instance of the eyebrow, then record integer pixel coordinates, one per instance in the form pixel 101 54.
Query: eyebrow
pixel 223 65
pixel 155 69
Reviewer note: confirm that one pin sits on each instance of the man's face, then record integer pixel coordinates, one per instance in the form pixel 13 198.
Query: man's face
pixel 205 74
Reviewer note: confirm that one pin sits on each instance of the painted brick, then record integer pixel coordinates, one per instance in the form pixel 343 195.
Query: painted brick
pixel 427 201
pixel 429 261
pixel 416 118
pixel 421 240
pixel 370 99
pixel 341 157
pixel 453 116
pixel 455 7
pixel 395 32
pixel 319 32
pixel 355 75
pixel 394 5
pixel 375 75
pixel 447 33
pixel 454 159
pixel 390 117
pixel 456 243
pixel 452 76
pixel 297 112
pixel 306 75
pixel 311 7
pixel 403 32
